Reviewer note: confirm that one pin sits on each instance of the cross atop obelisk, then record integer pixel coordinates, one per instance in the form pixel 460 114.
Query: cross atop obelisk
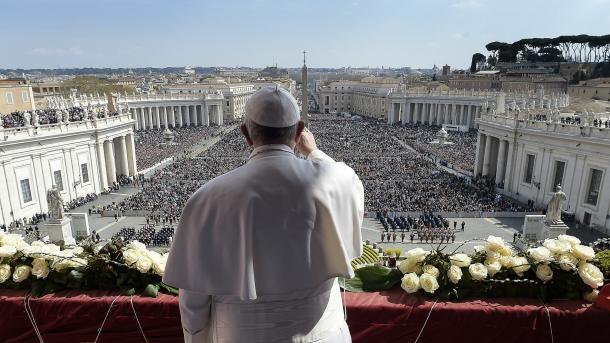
pixel 304 101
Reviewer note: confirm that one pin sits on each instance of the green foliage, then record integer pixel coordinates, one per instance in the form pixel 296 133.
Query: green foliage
pixel 603 259
pixel 372 278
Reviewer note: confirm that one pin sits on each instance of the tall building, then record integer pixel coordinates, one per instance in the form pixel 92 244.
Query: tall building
pixel 529 158
pixel 16 95
pixel 304 98
pixel 367 97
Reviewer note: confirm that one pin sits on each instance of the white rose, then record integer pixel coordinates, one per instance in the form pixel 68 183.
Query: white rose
pixel 492 255
pixel 478 271
pixel 430 269
pixel 557 247
pixel 418 254
pixel 410 283
pixel 409 265
pixel 135 245
pixel 493 266
pixel 428 283
pixel 7 251
pixel 583 252
pixel 460 260
pixel 130 256
pixel 520 265
pixel 591 275
pixel 495 243
pixel 541 254
pixel 570 239
pixel 40 268
pixel 544 272
pixel 479 248
pixel 21 273
pixel 567 262
pixel 159 267
pixel 153 255
pixel 454 274
pixel 143 264
pixel 5 272
pixel 13 239
pixel 505 251
pixel 506 261
pixel 591 296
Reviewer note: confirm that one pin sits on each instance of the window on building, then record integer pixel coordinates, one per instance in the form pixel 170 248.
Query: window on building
pixel 84 171
pixel 595 183
pixel 560 167
pixel 57 180
pixel 9 98
pixel 25 96
pixel 529 168
pixel 26 192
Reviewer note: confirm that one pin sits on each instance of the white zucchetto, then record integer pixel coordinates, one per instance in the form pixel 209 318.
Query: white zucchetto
pixel 273 107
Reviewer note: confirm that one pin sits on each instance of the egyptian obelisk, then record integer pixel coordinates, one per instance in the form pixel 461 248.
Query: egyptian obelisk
pixel 304 102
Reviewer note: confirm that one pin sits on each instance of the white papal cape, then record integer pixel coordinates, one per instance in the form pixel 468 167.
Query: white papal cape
pixel 257 250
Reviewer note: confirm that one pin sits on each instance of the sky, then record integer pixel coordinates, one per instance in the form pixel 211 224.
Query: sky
pixel 259 33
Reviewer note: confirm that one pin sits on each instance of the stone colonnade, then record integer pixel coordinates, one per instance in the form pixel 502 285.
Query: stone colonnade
pixel 493 158
pixel 174 116
pixel 116 156
pixel 434 113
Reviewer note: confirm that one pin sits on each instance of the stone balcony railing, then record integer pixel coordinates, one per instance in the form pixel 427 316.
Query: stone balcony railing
pixel 171 96
pixel 555 127
pixel 47 130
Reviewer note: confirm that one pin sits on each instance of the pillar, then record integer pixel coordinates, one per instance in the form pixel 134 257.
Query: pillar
pixel 501 162
pixel 206 115
pixel 149 116
pixel 142 118
pixel 487 155
pixel 163 115
pixel 187 109
pixel 408 113
pixel 131 155
pixel 134 115
pixel 157 117
pixel 462 121
pixel 180 121
pixel 469 117
pixel 101 165
pixel 123 164
pixel 195 119
pixel 110 163
pixel 172 117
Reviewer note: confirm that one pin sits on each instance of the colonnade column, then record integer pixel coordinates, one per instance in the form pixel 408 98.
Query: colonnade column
pixel 134 115
pixel 158 117
pixel 180 116
pixel 206 115
pixel 163 115
pixel 195 115
pixel 101 164
pixel 131 154
pixel 408 113
pixel 486 156
pixel 469 117
pixel 122 155
pixel 188 115
pixel 501 162
pixel 110 164
pixel 149 116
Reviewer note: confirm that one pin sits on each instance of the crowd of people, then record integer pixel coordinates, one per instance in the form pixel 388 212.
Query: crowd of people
pixel 395 178
pixel 148 235
pixel 458 153
pixel 18 119
pixel 151 147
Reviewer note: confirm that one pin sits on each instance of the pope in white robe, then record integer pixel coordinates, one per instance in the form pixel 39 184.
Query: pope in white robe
pixel 258 250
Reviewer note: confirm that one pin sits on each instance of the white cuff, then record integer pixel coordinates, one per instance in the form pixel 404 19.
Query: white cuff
pixel 319 155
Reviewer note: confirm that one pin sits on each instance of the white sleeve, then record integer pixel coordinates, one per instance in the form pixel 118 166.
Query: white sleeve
pixel 319 155
pixel 195 315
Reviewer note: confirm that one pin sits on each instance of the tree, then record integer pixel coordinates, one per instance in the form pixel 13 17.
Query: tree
pixel 476 59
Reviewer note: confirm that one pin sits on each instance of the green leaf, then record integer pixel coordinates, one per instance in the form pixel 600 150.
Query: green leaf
pixel 151 291
pixel 352 285
pixel 377 274
pixel 168 288
pixel 129 291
